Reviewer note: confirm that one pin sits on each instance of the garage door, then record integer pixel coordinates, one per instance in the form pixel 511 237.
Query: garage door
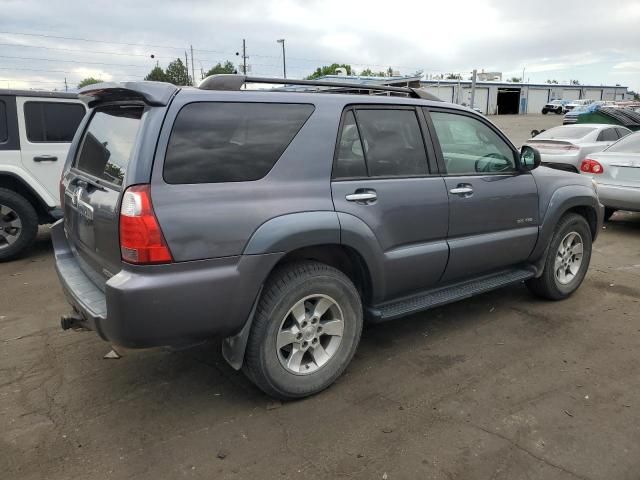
pixel 537 99
pixel 480 101
pixel 570 94
pixel 593 93
pixel 443 93
pixel 608 96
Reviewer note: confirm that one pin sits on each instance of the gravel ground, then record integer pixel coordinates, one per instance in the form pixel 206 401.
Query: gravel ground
pixel 501 386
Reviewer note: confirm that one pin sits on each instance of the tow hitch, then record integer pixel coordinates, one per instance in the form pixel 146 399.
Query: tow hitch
pixel 71 321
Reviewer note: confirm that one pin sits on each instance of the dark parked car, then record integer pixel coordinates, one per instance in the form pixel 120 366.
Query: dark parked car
pixel 282 220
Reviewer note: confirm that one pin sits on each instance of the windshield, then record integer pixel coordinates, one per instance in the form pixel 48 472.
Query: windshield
pixel 628 144
pixel 565 133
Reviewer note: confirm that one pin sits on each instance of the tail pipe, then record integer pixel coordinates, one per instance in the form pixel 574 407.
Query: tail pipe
pixel 71 321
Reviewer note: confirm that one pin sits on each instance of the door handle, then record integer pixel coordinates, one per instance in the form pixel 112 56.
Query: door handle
pixel 45 158
pixel 362 196
pixel 463 190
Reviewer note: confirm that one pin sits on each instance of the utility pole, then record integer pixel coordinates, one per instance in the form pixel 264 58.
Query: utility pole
pixel 193 69
pixel 244 56
pixel 522 79
pixel 284 58
pixel 65 85
pixel 186 65
pixel 473 86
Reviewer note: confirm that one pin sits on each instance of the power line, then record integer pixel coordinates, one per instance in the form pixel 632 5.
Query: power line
pixel 79 51
pixel 90 40
pixel 73 61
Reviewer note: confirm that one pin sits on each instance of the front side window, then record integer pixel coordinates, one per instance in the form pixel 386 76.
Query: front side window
pixel 213 142
pixel 470 147
pixel 108 143
pixel 4 130
pixel 392 142
pixel 52 122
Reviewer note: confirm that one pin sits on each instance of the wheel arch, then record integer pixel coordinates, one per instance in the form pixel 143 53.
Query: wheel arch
pixel 16 183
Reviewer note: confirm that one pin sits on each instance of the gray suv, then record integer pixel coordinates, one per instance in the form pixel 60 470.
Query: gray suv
pixel 281 219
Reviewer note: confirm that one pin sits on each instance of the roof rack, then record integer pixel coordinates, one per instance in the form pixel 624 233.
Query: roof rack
pixel 235 82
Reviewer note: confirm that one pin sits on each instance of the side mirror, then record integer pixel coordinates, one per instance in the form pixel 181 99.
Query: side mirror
pixel 529 158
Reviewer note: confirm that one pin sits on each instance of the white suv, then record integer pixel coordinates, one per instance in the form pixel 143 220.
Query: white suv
pixel 36 129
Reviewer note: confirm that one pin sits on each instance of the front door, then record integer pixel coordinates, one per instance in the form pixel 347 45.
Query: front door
pixel 47 126
pixel 493 207
pixel 381 177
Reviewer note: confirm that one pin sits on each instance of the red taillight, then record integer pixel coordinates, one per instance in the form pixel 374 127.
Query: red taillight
pixel 591 166
pixel 141 240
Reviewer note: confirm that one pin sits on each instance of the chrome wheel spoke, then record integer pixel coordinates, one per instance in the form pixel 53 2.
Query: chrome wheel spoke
pixel 568 259
pixel 295 359
pixel 320 355
pixel 321 307
pixel 298 312
pixel 286 337
pixel 333 328
pixel 577 249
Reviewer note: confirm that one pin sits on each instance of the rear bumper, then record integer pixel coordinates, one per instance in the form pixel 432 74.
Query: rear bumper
pixel 163 304
pixel 618 197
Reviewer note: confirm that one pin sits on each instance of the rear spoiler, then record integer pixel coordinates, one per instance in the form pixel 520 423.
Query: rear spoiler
pixel 151 93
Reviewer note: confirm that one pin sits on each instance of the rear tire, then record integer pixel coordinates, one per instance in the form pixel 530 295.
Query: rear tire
pixel 306 329
pixel 567 260
pixel 18 224
pixel 545 111
pixel 608 213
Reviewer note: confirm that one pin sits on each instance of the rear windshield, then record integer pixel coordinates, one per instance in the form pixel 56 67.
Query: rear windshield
pixel 214 142
pixel 564 133
pixel 627 144
pixel 108 142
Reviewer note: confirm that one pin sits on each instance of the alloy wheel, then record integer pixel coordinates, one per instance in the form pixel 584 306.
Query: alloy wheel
pixel 568 258
pixel 10 226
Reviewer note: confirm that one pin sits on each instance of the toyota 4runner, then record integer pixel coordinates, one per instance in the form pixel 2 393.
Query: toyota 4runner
pixel 280 219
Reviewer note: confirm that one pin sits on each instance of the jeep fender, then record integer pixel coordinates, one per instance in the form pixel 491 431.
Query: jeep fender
pixel 31 184
pixel 564 199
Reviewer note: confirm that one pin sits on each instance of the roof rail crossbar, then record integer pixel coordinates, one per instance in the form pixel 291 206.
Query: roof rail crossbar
pixel 235 82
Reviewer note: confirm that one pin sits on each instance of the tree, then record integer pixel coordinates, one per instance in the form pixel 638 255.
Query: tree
pixel 329 70
pixel 555 82
pixel 514 79
pixel 89 81
pixel 453 76
pixel 227 67
pixel 156 75
pixel 177 73
pixel 574 82
pixel 367 72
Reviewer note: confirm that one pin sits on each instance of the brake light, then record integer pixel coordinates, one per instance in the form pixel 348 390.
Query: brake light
pixel 591 166
pixel 141 240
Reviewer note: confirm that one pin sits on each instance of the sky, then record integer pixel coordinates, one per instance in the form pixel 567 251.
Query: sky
pixel 593 41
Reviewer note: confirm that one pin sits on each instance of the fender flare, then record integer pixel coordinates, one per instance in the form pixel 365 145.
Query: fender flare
pixel 564 199
pixel 31 184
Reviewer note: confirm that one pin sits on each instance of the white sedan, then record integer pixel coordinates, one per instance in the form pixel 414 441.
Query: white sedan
pixel 616 172
pixel 566 146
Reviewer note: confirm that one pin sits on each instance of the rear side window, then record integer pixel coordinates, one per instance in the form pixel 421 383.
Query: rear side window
pixel 628 144
pixel 608 135
pixel 623 132
pixel 4 130
pixel 350 159
pixel 52 121
pixel 217 142
pixel 108 142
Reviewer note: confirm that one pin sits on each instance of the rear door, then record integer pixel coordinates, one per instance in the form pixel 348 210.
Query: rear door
pixel 493 207
pixel 94 184
pixel 381 175
pixel 47 126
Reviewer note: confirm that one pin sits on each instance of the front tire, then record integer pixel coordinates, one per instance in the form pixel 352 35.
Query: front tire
pixel 544 111
pixel 18 224
pixel 567 260
pixel 306 329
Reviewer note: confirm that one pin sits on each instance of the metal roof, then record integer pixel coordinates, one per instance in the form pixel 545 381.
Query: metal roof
pixel 488 83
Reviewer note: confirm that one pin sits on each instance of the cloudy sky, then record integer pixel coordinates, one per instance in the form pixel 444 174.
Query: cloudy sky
pixel 593 41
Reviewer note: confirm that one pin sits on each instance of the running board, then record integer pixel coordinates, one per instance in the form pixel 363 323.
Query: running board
pixel 441 296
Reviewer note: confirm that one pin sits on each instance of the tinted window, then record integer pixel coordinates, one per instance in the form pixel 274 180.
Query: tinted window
pixel 469 146
pixel 623 132
pixel 392 141
pixel 108 142
pixel 52 121
pixel 350 159
pixel 4 132
pixel 608 135
pixel 628 144
pixel 565 133
pixel 230 142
